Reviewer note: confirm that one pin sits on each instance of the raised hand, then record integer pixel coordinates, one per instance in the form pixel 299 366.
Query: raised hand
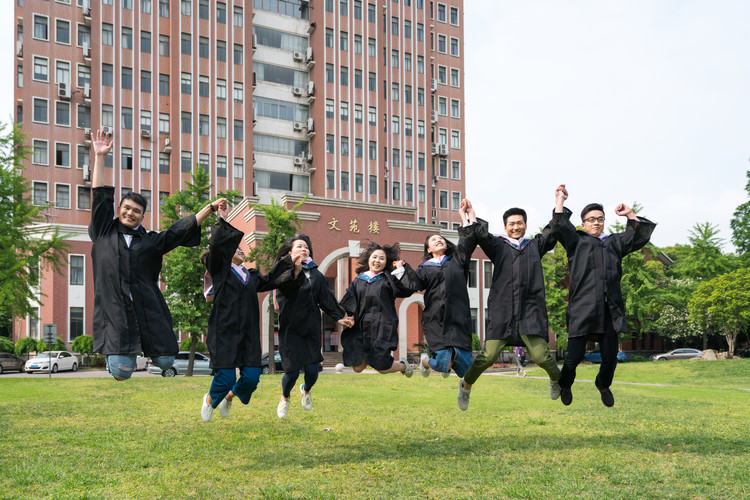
pixel 222 207
pixel 101 144
pixel 624 210
pixel 398 264
pixel 297 260
pixel 561 192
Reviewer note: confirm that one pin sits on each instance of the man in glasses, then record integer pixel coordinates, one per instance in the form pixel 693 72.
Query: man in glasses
pixel 596 310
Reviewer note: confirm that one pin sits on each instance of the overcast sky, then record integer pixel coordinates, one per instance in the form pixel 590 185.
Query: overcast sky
pixel 629 100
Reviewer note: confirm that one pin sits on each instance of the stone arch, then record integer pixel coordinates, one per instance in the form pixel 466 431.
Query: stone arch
pixel 332 257
pixel 402 323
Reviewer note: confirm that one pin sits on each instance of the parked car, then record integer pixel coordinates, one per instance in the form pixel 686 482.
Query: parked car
pixel 201 365
pixel 276 359
pixel 678 354
pixel 60 360
pixel 595 356
pixel 10 362
pixel 141 363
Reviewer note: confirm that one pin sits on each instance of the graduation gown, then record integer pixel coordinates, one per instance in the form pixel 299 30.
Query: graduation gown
pixel 446 319
pixel 130 313
pixel 233 326
pixel 300 320
pixel 595 271
pixel 375 331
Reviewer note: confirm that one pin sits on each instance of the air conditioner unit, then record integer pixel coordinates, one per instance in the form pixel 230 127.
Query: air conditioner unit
pixel 86 10
pixel 63 90
pixel 308 169
pixel 86 173
pixel 106 130
pixel 86 50
pixel 297 126
pixel 433 85
pixel 19 50
pixel 310 28
pixel 255 42
pixel 434 149
pixel 309 157
pixel 310 124
pixel 298 161
pixel 145 133
pixel 310 88
pixel 308 54
pixel 298 56
pixel 87 91
pixel 167 145
pixel 254 160
pixel 443 150
pixel 255 80
pixel 297 91
pixel 434 116
pixel 87 132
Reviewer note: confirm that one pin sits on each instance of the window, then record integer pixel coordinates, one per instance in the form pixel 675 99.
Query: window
pixel 420 129
pixel 19 79
pixel 394 92
pixel 127 118
pixel 62 114
pixel 441 12
pixel 420 96
pixel 84 198
pixel 454 77
pixel 146 42
pixel 455 200
pixel 41 69
pixel 373 185
pixel 238 17
pixel 221 127
pixel 40 193
pixel 396 157
pixel 221 166
pixel 372 152
pixel 473 278
pixel 84 116
pixel 186 7
pixel 454 16
pixel 84 35
pixel 145 81
pixel 238 92
pixel 371 115
pixel 395 121
pixel 371 51
pixel 455 170
pixel 84 75
pixel 442 46
pixel 358 183
pixel 358 148
pixel 343 7
pixel 186 83
pixel 145 160
pixel 203 84
pixel 203 9
pixel 455 108
pixel 186 120
pixel 62 155
pixel 62 31
pixel 358 78
pixel 442 106
pixel 394 26
pixel 239 130
pixel 455 139
pixel 163 123
pixel 40 110
pixel 443 167
pixel 329 73
pixel 454 46
pixel 442 75
pixel 344 40
pixel 126 159
pixel 371 83
pixel 238 51
pixel 345 181
pixel 221 89
pixel 370 13
pixel 127 78
pixel 330 179
pixel 238 168
pixel 443 199
pixel 408 127
pixel 186 162
pixel 164 8
pixel 145 6
pixel 357 44
pixel 164 45
pixel 420 65
pixel 163 84
pixel 407 28
pixel 203 125
pixel 344 75
pixel 221 14
pixel 186 44
pixel 329 143
pixel 329 37
pixel 76 318
pixel 41 27
pixel 394 58
pixel 344 146
pixel 420 32
pixel 396 191
pixel 345 111
pixel 163 163
pixel 421 194
pixel 127 38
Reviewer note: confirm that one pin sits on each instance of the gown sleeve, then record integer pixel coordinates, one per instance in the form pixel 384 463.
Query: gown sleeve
pixel 563 230
pixel 325 298
pixel 102 212
pixel 486 240
pixel 411 279
pixel 350 301
pixel 224 241
pixel 280 275
pixel 184 233
pixel 546 240
pixel 637 233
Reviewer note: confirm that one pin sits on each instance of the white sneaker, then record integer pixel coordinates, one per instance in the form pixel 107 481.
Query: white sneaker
pixel 306 397
pixel 283 408
pixel 554 390
pixel 408 371
pixel 424 370
pixel 463 396
pixel 206 410
pixel 224 407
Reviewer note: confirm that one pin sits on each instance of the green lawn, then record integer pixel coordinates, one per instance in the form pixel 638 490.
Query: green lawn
pixel 384 436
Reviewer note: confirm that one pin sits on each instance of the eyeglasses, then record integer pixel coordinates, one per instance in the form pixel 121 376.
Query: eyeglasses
pixel 591 220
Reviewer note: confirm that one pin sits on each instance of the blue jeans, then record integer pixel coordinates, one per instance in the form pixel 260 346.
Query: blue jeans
pixel 225 379
pixel 122 366
pixel 440 361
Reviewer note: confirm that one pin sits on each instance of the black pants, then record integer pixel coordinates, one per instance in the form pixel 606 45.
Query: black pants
pixel 609 347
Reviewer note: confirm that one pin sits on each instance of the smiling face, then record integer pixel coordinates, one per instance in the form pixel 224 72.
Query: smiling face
pixel 377 261
pixel 130 213
pixel 436 245
pixel 515 226
pixel 238 257
pixel 299 247
pixel 593 222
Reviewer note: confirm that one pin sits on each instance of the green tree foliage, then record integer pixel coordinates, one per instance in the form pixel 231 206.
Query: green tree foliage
pixel 642 275
pixel 740 223
pixel 186 345
pixel 282 224
pixel 57 346
pixel 722 304
pixel 183 271
pixel 555 268
pixel 25 346
pixel 7 345
pixel 22 249
pixel 83 344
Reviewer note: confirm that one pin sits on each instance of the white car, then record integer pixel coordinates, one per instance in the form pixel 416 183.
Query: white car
pixel 60 360
pixel 141 363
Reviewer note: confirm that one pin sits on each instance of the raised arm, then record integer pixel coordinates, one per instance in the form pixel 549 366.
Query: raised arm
pixel 221 205
pixel 561 194
pixel 624 210
pixel 101 145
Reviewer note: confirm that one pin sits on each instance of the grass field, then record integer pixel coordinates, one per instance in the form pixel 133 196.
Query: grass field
pixel 384 436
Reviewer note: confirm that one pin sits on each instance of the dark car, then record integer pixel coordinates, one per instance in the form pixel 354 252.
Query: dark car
pixel 10 362
pixel 596 356
pixel 276 359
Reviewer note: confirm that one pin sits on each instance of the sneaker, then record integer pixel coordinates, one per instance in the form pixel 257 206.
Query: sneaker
pixel 566 396
pixel 283 408
pixel 554 390
pixel 224 407
pixel 206 410
pixel 408 371
pixel 463 396
pixel 425 371
pixel 446 374
pixel 607 397
pixel 306 397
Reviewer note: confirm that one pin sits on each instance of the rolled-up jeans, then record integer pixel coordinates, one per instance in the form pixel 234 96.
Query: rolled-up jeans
pixel 122 366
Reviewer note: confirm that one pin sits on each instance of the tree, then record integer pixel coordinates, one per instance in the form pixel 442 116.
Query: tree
pixel 282 224
pixel 83 344
pixel 25 346
pixel 740 223
pixel 642 276
pixel 23 251
pixel 183 271
pixel 555 269
pixel 722 303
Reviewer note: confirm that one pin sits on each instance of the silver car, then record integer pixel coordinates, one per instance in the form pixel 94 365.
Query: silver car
pixel 201 365
pixel 683 353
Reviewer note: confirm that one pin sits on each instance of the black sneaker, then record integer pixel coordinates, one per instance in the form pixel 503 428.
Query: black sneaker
pixel 607 397
pixel 566 396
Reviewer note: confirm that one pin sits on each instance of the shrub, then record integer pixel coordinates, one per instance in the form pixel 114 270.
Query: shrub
pixel 199 347
pixel 98 361
pixel 25 346
pixel 7 345
pixel 476 345
pixel 58 346
pixel 83 344
pixel 637 358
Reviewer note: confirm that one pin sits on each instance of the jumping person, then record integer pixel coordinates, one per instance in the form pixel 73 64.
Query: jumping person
pixel 596 310
pixel 370 299
pixel 516 304
pixel 446 319
pixel 233 331
pixel 299 322
pixel 130 313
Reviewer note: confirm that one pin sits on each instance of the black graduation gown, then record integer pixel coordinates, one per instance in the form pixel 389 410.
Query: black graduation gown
pixel 375 331
pixel 516 303
pixel 595 272
pixel 446 319
pixel 300 321
pixel 122 325
pixel 233 326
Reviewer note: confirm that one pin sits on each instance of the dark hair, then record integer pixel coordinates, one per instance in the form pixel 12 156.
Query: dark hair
pixel 514 211
pixel 136 197
pixel 391 255
pixel 450 247
pixel 286 247
pixel 591 206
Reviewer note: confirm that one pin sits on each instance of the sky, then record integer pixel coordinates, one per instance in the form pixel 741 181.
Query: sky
pixel 623 101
